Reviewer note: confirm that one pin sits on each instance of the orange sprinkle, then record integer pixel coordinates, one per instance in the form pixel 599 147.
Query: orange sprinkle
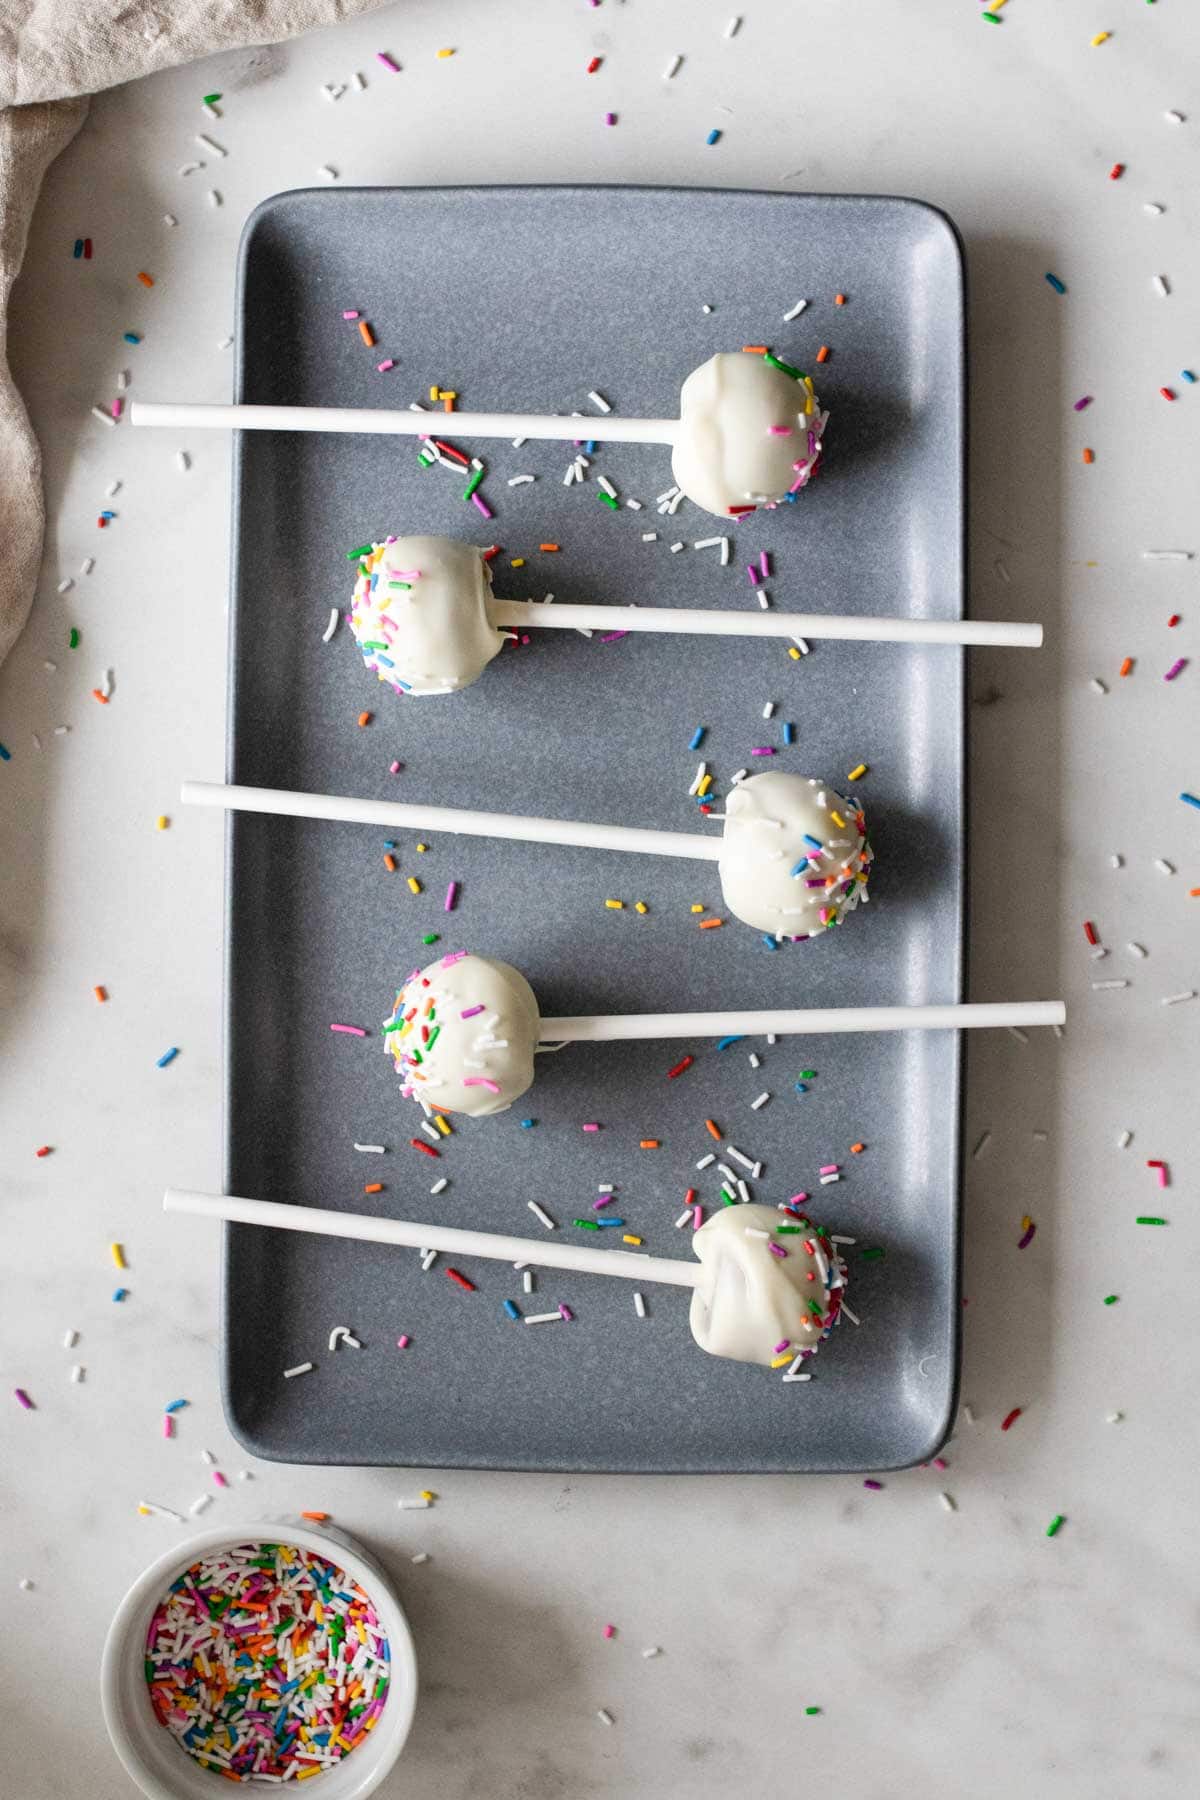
pixel 146 280
pixel 319 1517
pixel 712 1129
pixel 448 402
pixel 1126 666
pixel 364 718
pixel 823 353
pixel 97 695
pixel 649 1144
pixel 100 994
pixel 857 1149
pixel 389 862
pixel 547 546
pixel 373 1187
pixel 366 334
pixel 839 299
pixel 1194 893
pixel 755 349
pixel 1089 456
pixel 709 924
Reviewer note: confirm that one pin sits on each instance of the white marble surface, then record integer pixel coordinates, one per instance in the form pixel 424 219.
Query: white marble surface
pixel 959 1654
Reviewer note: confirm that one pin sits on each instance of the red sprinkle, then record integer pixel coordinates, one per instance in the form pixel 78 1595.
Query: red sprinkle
pixel 680 1067
pixel 594 64
pixel 1116 172
pixel 1167 393
pixel 461 1280
pixel 1089 932
pixel 1173 620
pixel 425 1149
pixel 45 1150
pixel 1012 1418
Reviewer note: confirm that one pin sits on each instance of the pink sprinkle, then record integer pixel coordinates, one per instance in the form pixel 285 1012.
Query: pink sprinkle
pixel 406 574
pixel 777 1250
pixel 454 956
pixel 763 750
pixel 470 1012
pixel 219 1478
pixel 779 430
pixel 752 572
pixel 591 1126
pixel 451 893
pixel 24 1400
pixel 351 1030
pixel 403 1341
pixel 876 1486
pixel 1160 1172
pixel 565 1312
pixel 781 1346
pixel 763 566
pixel 349 315
pixel 1080 404
pixel 828 1169
pixel 483 506
pixel 604 1200
pixel 481 1081
pixel 1176 668
pixel 610 1631
pixel 117 408
pixel 610 637
pixel 939 1462
pixel 168 1425
pixel 395 768
pixel 797 1199
pixel 610 118
pixel 383 57
pixel 697 1217
pixel 387 363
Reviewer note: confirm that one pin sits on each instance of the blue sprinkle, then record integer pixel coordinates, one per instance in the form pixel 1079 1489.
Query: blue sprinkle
pixel 385 660
pixel 5 753
pixel 589 449
pixel 801 866
pixel 131 337
pixel 528 1124
pixel 389 843
pixel 175 1406
pixel 769 941
pixel 713 137
pixel 108 515
pixel 1186 375
pixel 802 1087
pixel 1189 800
pixel 78 246
pixel 815 842
pixel 512 1309
pixel 697 737
pixel 167 1057
pixel 1060 287
pixel 119 1294
pixel 789 731
pixel 724 1043
pixel 603 1222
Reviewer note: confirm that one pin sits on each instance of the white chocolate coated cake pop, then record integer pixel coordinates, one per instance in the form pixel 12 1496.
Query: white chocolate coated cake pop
pixel 773 1288
pixel 462 1035
pixel 795 857
pixel 749 433
pixel 420 616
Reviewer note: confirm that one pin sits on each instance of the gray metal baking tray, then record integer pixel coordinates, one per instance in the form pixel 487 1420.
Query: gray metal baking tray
pixel 529 298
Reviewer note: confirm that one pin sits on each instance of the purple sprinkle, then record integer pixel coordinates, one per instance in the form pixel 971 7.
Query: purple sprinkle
pixel 763 750
pixel 874 1485
pixel 781 1346
pixel 483 506
pixel 1080 404
pixel 470 1012
pixel 610 118
pixel 752 572
pixel 24 1400
pixel 566 1312
pixel 451 893
pixel 604 1200
pixel 1028 1238
pixel 777 1250
pixel 383 57
pixel 763 568
pixel 1176 668
pixel 612 637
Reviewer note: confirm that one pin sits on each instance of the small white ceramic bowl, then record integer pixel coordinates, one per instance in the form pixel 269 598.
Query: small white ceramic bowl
pixel 161 1769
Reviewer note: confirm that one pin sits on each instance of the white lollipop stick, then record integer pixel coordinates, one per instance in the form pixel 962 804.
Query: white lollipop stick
pixel 362 1226
pixel 808 1021
pixel 450 818
pixel 534 613
pixel 606 429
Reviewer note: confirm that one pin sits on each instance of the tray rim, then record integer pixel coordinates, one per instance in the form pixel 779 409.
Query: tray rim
pixel 943 1428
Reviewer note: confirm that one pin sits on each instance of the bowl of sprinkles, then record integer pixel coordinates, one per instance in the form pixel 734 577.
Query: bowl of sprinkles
pixel 274 1655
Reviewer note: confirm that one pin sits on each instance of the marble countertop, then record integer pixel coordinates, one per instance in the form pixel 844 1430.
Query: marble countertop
pixel 954 1652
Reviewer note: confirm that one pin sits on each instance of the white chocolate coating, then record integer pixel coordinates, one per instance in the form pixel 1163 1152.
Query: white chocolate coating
pixel 795 855
pixel 754 1299
pixel 749 434
pixel 420 614
pixel 468 1045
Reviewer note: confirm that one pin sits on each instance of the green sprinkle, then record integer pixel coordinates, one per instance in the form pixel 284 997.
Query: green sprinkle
pixel 374 644
pixel 787 1228
pixel 609 501
pixel 870 1255
pixel 814 1308
pixel 807 1075
pixel 416 1055
pixel 424 458
pixel 430 937
pixel 1056 1522
pixel 432 1038
pixel 363 550
pixel 728 1198
pixel 586 1224
pixel 211 99
pixel 796 374
pixel 1148 1219
pixel 474 482
pixel 810 1712
pixel 400 584
pixel 1111 1299
pixel 992 18
pixel 72 639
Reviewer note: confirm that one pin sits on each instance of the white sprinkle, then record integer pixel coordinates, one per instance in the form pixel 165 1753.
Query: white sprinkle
pixel 948 1502
pixel 739 777
pixel 105 684
pixel 734 25
pixel 516 443
pixel 190 168
pixel 763 598
pixel 753 1060
pixel 1163 866
pixel 439 1185
pixel 826 1179
pixel 333 90
pixel 603 482
pixel 70 1338
pixel 672 69
pixel 754 1231
pixel 743 1191
pixel 1161 287
pixel 1154 209
pixel 1168 555
pixel 1001 568
pixel 87 565
pixel 61 730
pixel 1100 987
pixel 422 1556
pixel 160 1512
pixel 602 1713
pixel 599 401
pixel 706 309
pixel 706 543
pixel 761 1101
pixel 843 1240
pixel 244 1475
pixel 701 772
pixel 78 1372
pixel 768 709
pixel 982 1145
pixel 649 537
pixel 327 173
pixel 1021 1036
pixel 1116 861
pixel 334 616
pixel 543 1217
pixel 801 645
pixel 98 412
pixel 199 1505
pixel 639 1305
pixel 705 1161
pixel 653 1650
pixel 207 106
pixel 300 1369
pixel 224 343
pixel 676 548
pixel 550 1318
pixel 969 1414
pixel 183 461
pixel 430 1131
pixel 122 380
pixel 1124 1141
pixel 371 1149
pixel 359 81
pixel 1136 949
pixel 520 480
pixel 25 1585
pixel 1098 685
pixel 1113 1418
pixel 428 1258
pixel 1173 117
pixel 683 1218
pixel 527 1281
pixel 1177 999
pixel 724 552
pixel 795 311
pixel 208 1457
pixel 853 1317
pixel 747 1162
pixel 214 198
pixel 420 1504
pixel 206 143
pixel 66 584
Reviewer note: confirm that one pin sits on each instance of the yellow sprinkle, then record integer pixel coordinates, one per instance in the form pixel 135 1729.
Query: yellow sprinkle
pixel 615 905
pixel 447 394
pixel 704 786
pixel 422 848
pixel 777 1362
pixel 697 908
pixel 144 1510
pixel 640 906
pixel 855 773
pixel 314 1769
pixel 162 822
pixel 793 653
pixel 442 1124
pixel 442 53
pixel 517 562
pixel 1026 1222
pixel 318 1612
pixel 837 818
pixel 358 1626
pixel 428 1494
pixel 118 1255
pixel 627 1237
pixel 1101 37
pixel 808 382
pixel 414 885
pixel 810 405
pixel 433 392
